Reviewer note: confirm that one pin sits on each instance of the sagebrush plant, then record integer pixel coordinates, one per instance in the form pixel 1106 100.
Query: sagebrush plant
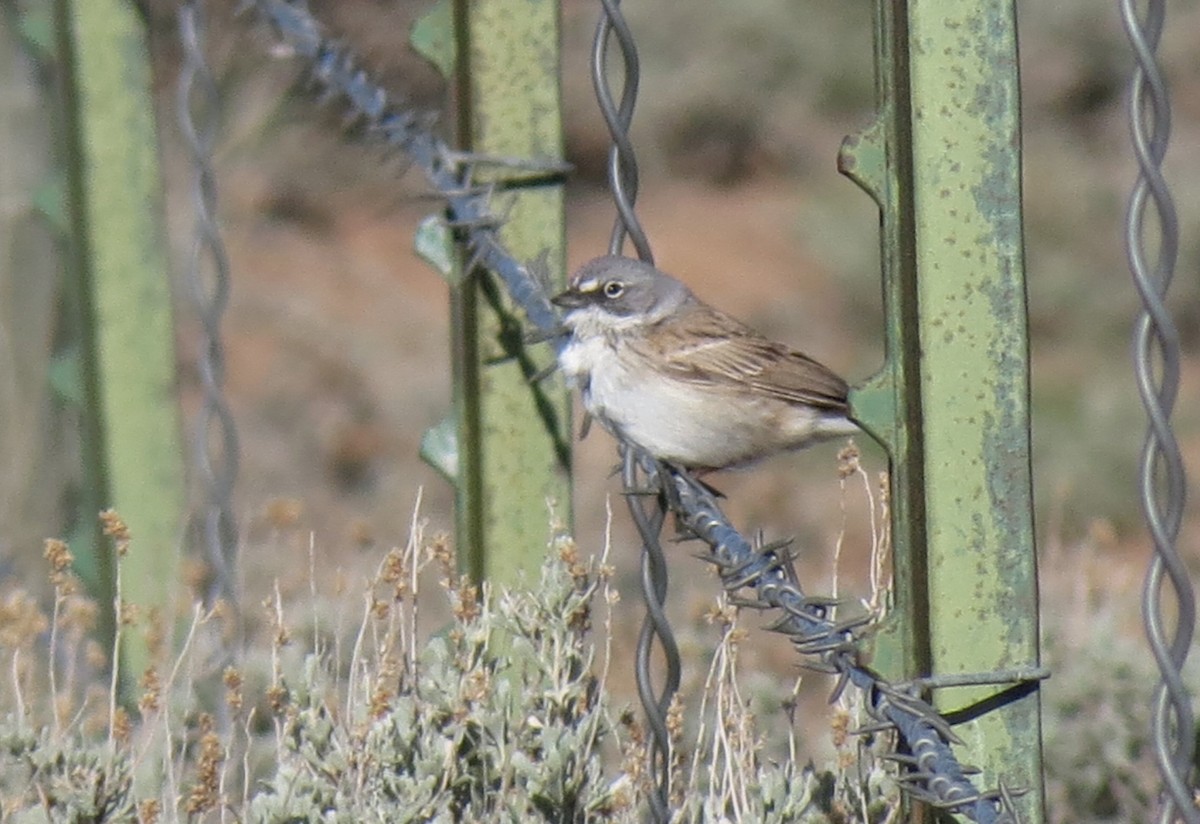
pixel 496 717
pixel 500 714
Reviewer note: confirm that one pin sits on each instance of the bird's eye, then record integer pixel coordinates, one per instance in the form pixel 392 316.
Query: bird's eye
pixel 614 289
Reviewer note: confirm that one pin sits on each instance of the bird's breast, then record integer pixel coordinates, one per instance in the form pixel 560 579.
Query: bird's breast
pixel 687 422
pixel 582 356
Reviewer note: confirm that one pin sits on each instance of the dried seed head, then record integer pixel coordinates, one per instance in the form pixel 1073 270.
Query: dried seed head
pixel 379 608
pixel 148 811
pixel 466 606
pixel 476 686
pixel 59 555
pixel 277 697
pixel 233 688
pixel 381 700
pixel 440 549
pixel 151 698
pixel 675 713
pixel 839 725
pixel 204 794
pixel 394 569
pixel 155 632
pixel 122 726
pixel 114 527
pixel 848 460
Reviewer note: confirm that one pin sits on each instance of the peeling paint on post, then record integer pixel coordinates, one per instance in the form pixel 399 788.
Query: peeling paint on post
pixel 514 436
pixel 952 403
pixel 975 368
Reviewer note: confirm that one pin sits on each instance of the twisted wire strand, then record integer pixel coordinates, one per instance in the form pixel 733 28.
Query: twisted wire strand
pixel 642 480
pixel 1163 480
pixel 207 278
pixel 656 630
pixel 622 160
pixel 930 770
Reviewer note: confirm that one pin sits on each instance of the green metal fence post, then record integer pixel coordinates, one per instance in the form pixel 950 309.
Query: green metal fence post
pixel 513 436
pixel 133 433
pixel 952 403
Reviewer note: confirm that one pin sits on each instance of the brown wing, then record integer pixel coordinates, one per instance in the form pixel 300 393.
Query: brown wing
pixel 706 346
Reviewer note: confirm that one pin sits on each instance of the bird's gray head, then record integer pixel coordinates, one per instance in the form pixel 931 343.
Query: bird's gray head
pixel 623 290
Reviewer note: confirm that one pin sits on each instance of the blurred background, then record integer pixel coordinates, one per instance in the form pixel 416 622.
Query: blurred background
pixel 337 335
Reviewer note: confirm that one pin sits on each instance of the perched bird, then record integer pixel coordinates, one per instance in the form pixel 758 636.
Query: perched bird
pixel 687 383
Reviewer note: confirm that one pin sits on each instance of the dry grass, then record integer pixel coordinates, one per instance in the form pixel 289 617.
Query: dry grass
pixel 399 686
pixel 490 705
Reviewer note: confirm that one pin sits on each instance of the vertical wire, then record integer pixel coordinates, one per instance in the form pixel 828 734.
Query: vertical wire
pixel 622 160
pixel 1156 351
pixel 623 182
pixel 208 283
pixel 655 626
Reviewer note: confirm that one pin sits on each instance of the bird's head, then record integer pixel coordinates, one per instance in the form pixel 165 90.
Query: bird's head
pixel 619 292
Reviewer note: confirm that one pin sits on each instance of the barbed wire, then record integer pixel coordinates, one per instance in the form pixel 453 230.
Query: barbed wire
pixel 1156 351
pixel 763 577
pixel 208 283
pixel 930 771
pixel 333 67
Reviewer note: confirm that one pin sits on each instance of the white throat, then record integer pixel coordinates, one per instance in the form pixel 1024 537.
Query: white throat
pixel 593 322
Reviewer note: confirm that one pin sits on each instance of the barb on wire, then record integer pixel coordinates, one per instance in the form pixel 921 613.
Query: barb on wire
pixel 1156 352
pixel 334 68
pixel 761 576
pixel 933 773
pixel 207 277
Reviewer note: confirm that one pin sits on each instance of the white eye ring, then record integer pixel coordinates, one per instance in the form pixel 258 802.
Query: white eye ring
pixel 614 289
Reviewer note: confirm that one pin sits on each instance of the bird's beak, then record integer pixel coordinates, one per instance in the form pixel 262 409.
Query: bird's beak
pixel 569 299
